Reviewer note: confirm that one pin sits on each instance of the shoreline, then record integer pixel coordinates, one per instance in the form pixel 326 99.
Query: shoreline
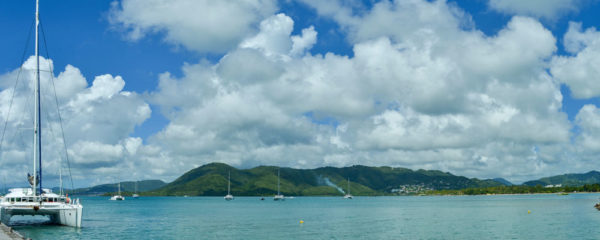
pixel 491 194
pixel 335 196
pixel 9 233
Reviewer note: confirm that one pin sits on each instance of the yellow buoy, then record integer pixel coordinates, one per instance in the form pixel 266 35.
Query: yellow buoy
pixel 528 211
pixel 301 221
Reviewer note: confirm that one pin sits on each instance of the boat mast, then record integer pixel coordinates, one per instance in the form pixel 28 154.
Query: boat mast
pixel 119 188
pixel 37 129
pixel 278 182
pixel 229 183
pixel 60 179
pixel 348 186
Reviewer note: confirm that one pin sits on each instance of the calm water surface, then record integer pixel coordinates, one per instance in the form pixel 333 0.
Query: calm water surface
pixel 447 217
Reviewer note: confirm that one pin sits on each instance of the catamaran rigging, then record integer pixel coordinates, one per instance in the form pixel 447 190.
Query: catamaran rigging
pixel 38 200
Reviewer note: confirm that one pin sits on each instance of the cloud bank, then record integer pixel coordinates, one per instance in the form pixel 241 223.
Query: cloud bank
pixel 431 92
pixel 428 94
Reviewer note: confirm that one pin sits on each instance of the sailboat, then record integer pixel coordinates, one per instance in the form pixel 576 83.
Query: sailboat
pixel 229 197
pixel 135 195
pixel 118 197
pixel 348 195
pixel 279 196
pixel 36 200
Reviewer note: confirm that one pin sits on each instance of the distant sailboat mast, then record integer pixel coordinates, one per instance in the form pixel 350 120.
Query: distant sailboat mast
pixel 348 185
pixel 229 197
pixel 348 195
pixel 278 196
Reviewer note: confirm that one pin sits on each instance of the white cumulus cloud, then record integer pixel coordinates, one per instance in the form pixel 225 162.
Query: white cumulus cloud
pixel 427 94
pixel 97 121
pixel 548 9
pixel 580 71
pixel 199 25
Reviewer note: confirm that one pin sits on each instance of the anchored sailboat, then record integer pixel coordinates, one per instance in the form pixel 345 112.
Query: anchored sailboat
pixel 38 201
pixel 348 195
pixel 279 196
pixel 118 197
pixel 229 197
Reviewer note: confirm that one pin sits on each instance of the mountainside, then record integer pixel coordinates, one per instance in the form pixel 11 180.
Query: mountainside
pixel 503 181
pixel 143 186
pixel 571 179
pixel 211 180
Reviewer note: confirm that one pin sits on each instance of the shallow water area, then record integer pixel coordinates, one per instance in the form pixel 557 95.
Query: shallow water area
pixel 541 216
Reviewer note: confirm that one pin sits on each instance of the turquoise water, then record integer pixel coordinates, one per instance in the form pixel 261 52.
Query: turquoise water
pixel 445 217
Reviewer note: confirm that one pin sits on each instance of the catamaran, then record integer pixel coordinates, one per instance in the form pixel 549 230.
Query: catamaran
pixel 348 195
pixel 279 196
pixel 118 197
pixel 36 200
pixel 229 197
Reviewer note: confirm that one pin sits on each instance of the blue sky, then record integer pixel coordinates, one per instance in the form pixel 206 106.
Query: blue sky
pixel 327 104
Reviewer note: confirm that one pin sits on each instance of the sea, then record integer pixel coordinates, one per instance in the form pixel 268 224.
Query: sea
pixel 539 216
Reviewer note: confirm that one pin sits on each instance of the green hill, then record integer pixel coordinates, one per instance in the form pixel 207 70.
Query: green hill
pixel 571 179
pixel 211 180
pixel 503 181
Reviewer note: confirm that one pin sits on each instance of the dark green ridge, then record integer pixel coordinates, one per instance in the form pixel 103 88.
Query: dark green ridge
pixel 211 180
pixel 572 179
pixel 503 181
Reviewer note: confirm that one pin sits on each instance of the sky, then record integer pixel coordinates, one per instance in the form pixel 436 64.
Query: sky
pixel 151 89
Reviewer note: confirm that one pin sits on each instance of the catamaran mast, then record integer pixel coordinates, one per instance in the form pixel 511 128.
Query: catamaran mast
pixel 229 183
pixel 60 179
pixel 278 182
pixel 37 129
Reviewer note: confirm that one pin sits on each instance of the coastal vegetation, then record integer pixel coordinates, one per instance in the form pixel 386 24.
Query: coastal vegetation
pixel 521 189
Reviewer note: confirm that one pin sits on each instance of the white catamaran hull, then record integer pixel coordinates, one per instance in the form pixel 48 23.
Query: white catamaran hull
pixel 65 214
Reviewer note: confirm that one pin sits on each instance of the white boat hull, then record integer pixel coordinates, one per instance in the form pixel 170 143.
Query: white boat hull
pixel 278 198
pixel 117 198
pixel 228 197
pixel 63 214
